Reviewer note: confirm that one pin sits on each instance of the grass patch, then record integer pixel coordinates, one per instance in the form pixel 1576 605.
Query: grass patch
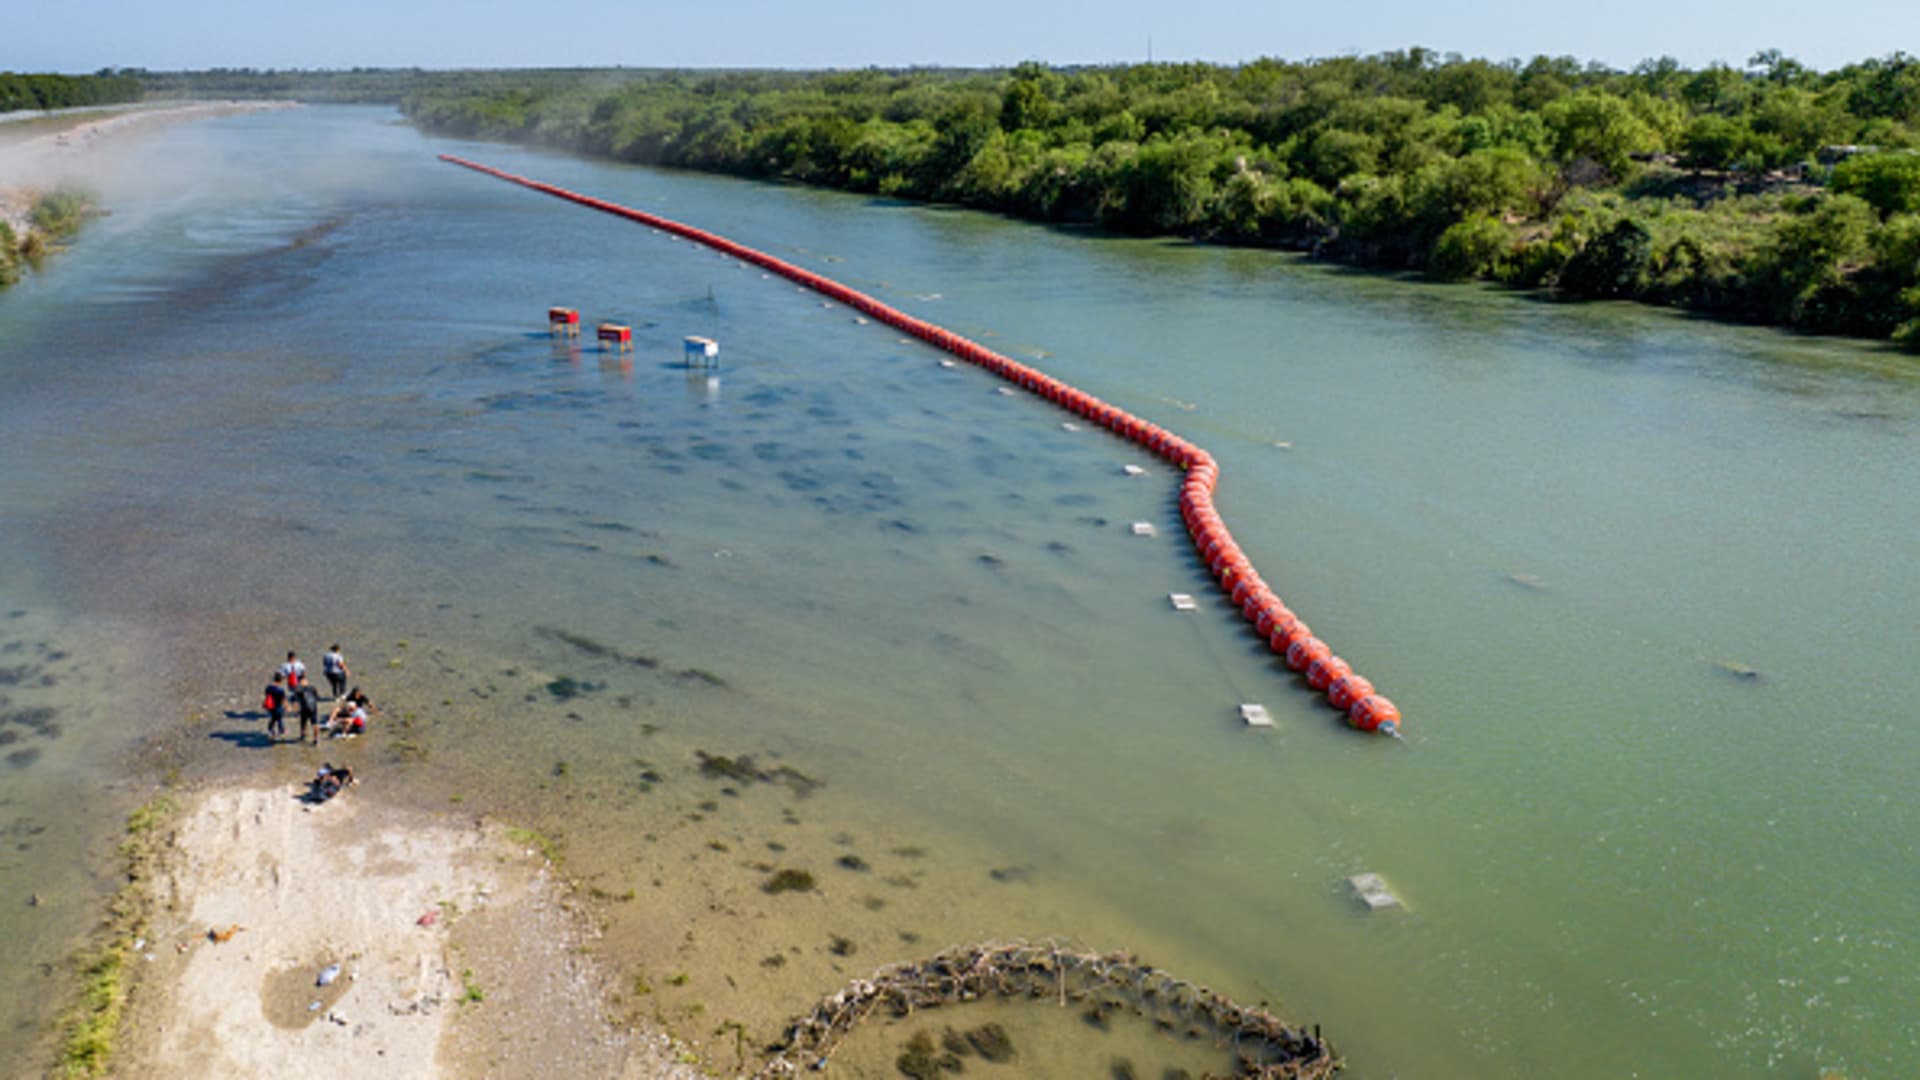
pixel 91 1027
pixel 60 212
pixel 546 845
pixel 470 992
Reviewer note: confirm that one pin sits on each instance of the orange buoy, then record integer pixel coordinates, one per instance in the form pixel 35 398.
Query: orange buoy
pixel 1228 555
pixel 1269 617
pixel 1344 691
pixel 1304 651
pixel 1375 713
pixel 1321 673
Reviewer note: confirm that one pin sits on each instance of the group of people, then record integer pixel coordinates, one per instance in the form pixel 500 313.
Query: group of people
pixel 289 685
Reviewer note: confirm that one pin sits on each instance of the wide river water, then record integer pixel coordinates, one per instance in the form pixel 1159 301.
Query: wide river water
pixel 1644 587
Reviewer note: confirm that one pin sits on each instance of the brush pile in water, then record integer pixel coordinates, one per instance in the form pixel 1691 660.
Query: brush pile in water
pixel 1264 1047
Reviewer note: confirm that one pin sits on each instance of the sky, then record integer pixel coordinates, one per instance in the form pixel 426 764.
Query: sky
pixel 85 35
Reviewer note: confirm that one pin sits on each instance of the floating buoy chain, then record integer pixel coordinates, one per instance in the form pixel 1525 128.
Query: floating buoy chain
pixel 1284 632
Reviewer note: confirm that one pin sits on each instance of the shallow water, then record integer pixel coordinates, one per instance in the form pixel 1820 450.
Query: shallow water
pixel 296 390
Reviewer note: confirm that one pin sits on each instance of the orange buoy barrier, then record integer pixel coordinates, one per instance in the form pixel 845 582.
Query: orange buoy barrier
pixel 1284 632
pixel 1374 713
pixel 1304 651
pixel 1344 691
pixel 1321 673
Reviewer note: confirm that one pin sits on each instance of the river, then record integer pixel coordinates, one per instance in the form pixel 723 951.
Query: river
pixel 1643 586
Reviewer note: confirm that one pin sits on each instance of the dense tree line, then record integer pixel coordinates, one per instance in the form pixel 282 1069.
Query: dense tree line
pixel 20 91
pixel 382 86
pixel 1771 192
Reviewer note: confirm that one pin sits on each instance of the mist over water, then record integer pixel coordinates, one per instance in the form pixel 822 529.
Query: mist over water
pixel 296 389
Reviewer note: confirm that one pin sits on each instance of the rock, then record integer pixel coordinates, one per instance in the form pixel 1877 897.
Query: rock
pixel 1372 890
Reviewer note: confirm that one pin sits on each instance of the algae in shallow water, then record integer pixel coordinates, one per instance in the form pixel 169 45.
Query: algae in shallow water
pixel 789 881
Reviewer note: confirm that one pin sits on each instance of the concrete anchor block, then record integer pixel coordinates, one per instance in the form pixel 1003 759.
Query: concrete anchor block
pixel 1144 528
pixel 1182 601
pixel 1256 716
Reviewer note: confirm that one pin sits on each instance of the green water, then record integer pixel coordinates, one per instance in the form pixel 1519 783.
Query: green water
pixel 296 389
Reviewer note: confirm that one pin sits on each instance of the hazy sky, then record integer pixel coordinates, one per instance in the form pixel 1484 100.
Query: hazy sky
pixel 84 35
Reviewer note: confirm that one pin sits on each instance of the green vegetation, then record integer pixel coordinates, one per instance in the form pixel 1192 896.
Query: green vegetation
pixel 26 91
pixel 92 1024
pixel 50 219
pixel 1771 193
pixel 60 212
pixel 535 840
pixel 356 86
pixel 470 991
pixel 788 881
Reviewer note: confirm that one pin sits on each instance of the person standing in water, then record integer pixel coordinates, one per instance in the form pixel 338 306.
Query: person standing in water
pixel 308 699
pixel 335 665
pixel 275 702
pixel 293 671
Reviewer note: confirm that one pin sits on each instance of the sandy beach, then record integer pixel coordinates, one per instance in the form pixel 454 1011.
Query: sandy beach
pixel 352 938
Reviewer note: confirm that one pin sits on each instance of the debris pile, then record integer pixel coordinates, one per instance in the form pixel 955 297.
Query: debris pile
pixel 1264 1047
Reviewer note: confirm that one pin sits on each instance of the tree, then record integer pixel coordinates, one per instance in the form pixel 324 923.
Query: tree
pixel 1613 264
pixel 1026 103
pixel 1717 88
pixel 1890 182
pixel 1818 247
pixel 960 133
pixel 1777 67
pixel 1714 142
pixel 1887 88
pixel 1599 127
pixel 1336 153
pixel 1469 248
pixel 1484 183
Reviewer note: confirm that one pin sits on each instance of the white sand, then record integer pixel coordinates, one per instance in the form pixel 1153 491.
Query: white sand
pixel 347 882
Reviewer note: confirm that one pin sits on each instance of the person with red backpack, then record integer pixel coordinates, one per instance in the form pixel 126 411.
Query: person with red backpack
pixel 275 702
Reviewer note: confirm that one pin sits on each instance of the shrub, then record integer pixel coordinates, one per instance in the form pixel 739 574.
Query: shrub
pixel 1470 248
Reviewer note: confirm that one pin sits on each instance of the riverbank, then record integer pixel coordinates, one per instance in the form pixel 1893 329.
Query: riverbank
pixel 286 936
pixel 49 155
pixel 1581 182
